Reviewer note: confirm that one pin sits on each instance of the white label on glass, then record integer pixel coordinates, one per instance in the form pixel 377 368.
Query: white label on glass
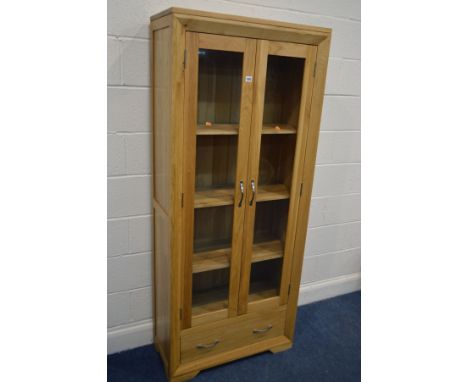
pixel 248 78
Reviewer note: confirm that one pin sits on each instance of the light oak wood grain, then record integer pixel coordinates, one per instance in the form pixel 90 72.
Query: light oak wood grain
pixel 296 179
pixel 177 162
pixel 254 157
pixel 214 197
pixel 234 354
pixel 218 129
pixel 223 267
pixel 223 43
pixel 220 258
pixel 210 340
pixel 190 117
pixel 307 179
pixel 241 175
pixel 269 192
pixel 162 140
pixel 279 128
pixel 287 49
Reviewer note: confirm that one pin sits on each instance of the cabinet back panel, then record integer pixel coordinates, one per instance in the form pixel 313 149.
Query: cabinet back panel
pixel 265 279
pixel 271 221
pixel 216 160
pixel 283 90
pixel 276 159
pixel 212 228
pixel 219 86
pixel 210 291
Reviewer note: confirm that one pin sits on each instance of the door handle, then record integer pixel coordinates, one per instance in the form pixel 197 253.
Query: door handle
pixel 241 185
pixel 252 185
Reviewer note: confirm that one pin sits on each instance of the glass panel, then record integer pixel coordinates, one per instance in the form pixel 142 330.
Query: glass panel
pixel 210 291
pixel 215 165
pixel 276 159
pixel 265 279
pixel 283 91
pixel 219 95
pixel 270 221
pixel 212 228
pixel 277 150
pixel 219 90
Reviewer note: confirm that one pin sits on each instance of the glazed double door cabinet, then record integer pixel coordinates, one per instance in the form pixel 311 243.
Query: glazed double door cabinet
pixel 236 114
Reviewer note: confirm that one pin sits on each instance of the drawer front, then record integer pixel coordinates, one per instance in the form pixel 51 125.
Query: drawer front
pixel 218 337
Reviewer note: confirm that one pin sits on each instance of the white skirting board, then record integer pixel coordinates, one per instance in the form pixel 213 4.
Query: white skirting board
pixel 129 336
pixel 321 290
pixel 141 333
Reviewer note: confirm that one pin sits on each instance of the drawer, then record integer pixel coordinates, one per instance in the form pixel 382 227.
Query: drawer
pixel 221 336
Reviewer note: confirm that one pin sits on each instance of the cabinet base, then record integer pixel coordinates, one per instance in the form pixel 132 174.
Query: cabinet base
pixel 184 377
pixel 189 376
pixel 280 348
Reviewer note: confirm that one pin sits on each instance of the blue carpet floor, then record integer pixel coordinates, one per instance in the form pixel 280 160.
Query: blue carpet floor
pixel 327 347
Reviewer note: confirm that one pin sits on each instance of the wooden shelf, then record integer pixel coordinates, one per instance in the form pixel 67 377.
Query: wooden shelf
pixel 231 129
pixel 211 260
pixel 272 192
pixel 260 291
pixel 219 258
pixel 218 129
pixel 214 197
pixel 283 129
pixel 267 251
pixel 209 301
pixel 225 196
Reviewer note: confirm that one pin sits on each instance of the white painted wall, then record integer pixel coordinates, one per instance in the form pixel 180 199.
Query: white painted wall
pixel 332 259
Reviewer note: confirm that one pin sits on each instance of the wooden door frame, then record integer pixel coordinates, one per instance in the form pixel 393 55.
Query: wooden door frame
pixel 285 49
pixel 194 42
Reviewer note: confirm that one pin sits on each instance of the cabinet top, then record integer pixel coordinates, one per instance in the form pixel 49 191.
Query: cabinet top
pixel 185 15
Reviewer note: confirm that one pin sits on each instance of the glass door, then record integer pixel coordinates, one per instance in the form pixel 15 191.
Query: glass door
pixel 284 73
pixel 218 106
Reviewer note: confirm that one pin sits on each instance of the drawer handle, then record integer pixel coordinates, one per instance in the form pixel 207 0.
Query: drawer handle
pixel 208 346
pixel 255 331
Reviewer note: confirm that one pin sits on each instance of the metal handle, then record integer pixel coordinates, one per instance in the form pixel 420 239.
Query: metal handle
pixel 255 331
pixel 241 185
pixel 252 184
pixel 208 346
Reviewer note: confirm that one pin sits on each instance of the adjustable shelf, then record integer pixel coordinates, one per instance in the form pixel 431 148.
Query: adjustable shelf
pixel 219 258
pixel 211 260
pixel 272 192
pixel 233 129
pixel 225 196
pixel 218 129
pixel 209 301
pixel 268 250
pixel 279 128
pixel 215 299
pixel 214 197
pixel 260 290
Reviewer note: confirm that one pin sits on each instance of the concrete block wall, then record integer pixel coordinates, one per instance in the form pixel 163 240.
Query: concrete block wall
pixel 332 258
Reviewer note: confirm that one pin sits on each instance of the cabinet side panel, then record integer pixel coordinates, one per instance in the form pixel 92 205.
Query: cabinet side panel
pixel 162 105
pixel 162 137
pixel 162 265
pixel 307 179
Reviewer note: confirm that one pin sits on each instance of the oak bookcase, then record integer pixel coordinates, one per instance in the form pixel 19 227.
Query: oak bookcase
pixel 236 114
